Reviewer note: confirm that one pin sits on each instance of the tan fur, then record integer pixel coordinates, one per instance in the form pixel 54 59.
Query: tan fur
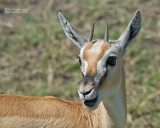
pixel 49 112
pixel 92 53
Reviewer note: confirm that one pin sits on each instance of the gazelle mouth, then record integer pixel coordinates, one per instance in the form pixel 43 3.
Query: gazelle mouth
pixel 90 103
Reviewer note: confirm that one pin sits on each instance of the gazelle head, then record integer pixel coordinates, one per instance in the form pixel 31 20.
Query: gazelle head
pixel 101 61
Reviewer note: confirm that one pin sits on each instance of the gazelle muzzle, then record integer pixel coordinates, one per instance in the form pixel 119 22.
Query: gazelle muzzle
pixel 87 91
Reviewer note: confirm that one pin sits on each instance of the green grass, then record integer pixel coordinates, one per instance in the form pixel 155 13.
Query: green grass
pixel 37 59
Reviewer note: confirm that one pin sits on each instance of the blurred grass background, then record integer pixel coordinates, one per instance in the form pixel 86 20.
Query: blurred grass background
pixel 37 59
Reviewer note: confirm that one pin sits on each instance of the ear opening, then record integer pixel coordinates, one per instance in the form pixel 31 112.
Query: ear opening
pixel 71 32
pixel 131 31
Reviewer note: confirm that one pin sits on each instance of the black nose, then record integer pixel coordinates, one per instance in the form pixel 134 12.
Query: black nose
pixel 86 93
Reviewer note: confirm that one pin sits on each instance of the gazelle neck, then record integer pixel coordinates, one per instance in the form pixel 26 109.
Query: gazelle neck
pixel 116 106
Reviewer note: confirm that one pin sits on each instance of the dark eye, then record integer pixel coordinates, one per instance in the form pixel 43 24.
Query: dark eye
pixel 111 60
pixel 79 60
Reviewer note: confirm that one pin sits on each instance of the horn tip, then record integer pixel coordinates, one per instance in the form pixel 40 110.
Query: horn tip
pixel 91 33
pixel 106 36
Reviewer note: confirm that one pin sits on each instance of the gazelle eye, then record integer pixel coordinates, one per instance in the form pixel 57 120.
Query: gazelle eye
pixel 79 60
pixel 111 60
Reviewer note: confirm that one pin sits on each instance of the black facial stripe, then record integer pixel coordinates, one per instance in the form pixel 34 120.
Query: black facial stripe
pixel 82 74
pixel 105 74
pixel 103 78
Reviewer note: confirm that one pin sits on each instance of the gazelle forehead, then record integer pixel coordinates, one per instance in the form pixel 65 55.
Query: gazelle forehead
pixel 94 51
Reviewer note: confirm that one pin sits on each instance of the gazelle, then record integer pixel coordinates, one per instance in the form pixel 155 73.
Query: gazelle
pixel 102 89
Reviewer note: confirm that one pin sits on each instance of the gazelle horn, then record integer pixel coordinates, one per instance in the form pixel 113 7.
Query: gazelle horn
pixel 106 36
pixel 91 33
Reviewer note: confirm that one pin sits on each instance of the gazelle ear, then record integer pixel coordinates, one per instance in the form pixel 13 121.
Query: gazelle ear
pixel 131 31
pixel 71 32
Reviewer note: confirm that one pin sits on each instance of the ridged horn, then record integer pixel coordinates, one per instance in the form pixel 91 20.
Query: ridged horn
pixel 91 33
pixel 106 36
